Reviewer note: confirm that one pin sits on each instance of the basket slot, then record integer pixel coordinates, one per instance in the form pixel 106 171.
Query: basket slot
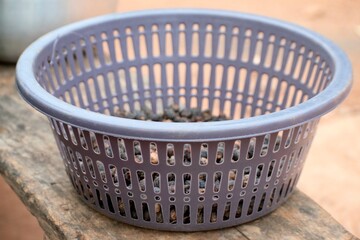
pixel 245 49
pixel 280 193
pixel 138 157
pixel 133 212
pixel 202 177
pixel 272 198
pixel 156 182
pixel 90 166
pixel 89 193
pixel 170 154
pixel 63 71
pixel 307 68
pixel 187 155
pixel 290 162
pixel 83 95
pixel 118 46
pixel 236 151
pixel 298 156
pixel 104 49
pixel 258 52
pixel 262 202
pixel 259 173
pixel 287 188
pixel 99 199
pixel 186 183
pixel 63 131
pixel 251 35
pixel 80 162
pixel 232 179
pixel 94 143
pixel 145 212
pixel 296 178
pixel 72 60
pixel 72 157
pixel 121 206
pixel 64 154
pixel 214 213
pixel 251 206
pixel 239 208
pixel 220 153
pixel 122 149
pixel 154 156
pixel 50 77
pixel 82 55
pixel 171 179
pixel 158 213
pixel 217 181
pixel 281 165
pixel 251 148
pixel 200 214
pixel 101 171
pixel 203 159
pixel 72 135
pixel 186 214
pixel 127 178
pixel 245 177
pixel 142 50
pixel 91 52
pixel 172 215
pixel 265 145
pixel 270 170
pixel 289 63
pixel 131 44
pixel 114 174
pixel 226 215
pixel 220 34
pixel 109 203
pixel 155 41
pixel 107 145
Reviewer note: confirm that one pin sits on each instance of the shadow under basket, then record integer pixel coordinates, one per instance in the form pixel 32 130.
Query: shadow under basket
pixel 273 80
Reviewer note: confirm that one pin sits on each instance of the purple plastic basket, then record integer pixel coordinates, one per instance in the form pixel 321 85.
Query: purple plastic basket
pixel 273 79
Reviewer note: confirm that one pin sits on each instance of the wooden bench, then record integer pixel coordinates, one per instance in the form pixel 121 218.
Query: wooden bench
pixel 31 165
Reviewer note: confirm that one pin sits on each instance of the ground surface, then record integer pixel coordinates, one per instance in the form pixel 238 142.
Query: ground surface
pixel 332 172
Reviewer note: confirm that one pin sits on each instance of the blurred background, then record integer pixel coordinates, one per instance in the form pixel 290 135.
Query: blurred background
pixel 331 176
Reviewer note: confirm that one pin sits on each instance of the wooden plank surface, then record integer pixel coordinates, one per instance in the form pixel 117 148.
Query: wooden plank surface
pixel 32 166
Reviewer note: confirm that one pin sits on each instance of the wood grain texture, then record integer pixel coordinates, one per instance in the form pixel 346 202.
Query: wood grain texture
pixel 32 166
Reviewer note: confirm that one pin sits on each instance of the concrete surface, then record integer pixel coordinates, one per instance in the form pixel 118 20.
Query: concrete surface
pixel 332 172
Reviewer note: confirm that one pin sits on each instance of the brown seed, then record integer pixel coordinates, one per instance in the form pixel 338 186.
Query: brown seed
pixel 232 175
pixel 213 217
pixel 157 207
pixel 203 161
pixel 138 158
pixel 121 206
pixel 172 216
pixel 153 147
pixel 171 160
pixel 154 158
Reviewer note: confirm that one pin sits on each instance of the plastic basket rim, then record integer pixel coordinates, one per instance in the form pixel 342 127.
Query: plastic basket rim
pixel 320 104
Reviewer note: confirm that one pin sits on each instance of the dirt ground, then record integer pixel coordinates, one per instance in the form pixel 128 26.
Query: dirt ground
pixel 332 172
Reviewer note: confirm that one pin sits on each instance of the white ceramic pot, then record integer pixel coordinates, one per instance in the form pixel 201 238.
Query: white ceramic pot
pixel 23 21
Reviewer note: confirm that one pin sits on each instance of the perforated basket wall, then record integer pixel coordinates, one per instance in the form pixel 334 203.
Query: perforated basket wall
pixel 273 79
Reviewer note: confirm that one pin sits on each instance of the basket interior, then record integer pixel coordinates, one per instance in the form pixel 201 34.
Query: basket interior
pixel 242 68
